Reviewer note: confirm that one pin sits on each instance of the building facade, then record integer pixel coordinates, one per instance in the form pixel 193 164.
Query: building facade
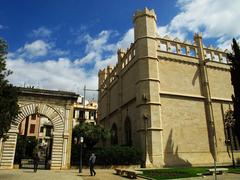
pixel 168 98
pixel 86 113
pixel 30 126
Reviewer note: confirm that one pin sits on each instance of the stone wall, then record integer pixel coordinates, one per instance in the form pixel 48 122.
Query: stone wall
pixel 174 92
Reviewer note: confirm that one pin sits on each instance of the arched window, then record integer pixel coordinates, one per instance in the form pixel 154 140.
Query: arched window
pixel 232 130
pixel 128 132
pixel 114 134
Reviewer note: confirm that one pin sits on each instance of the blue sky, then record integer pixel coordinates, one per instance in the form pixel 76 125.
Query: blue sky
pixel 61 44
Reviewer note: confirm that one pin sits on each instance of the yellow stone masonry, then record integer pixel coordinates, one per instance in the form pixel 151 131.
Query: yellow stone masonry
pixel 174 93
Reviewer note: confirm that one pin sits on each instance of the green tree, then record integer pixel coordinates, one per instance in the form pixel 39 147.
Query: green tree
pixel 8 94
pixel 234 59
pixel 92 134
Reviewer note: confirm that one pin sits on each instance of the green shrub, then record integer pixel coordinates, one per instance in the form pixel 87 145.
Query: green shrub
pixel 114 155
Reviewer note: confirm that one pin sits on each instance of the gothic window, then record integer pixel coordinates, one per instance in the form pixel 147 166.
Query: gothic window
pixel 128 132
pixel 232 131
pixel 114 134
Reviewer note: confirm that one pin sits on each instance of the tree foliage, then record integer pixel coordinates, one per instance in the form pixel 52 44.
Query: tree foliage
pixel 8 94
pixel 92 134
pixel 234 59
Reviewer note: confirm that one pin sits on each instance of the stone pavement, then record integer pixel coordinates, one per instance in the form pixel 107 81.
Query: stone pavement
pixel 28 174
pixel 102 174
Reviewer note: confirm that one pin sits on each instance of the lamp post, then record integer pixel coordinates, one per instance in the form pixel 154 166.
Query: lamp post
pixel 84 99
pixel 80 164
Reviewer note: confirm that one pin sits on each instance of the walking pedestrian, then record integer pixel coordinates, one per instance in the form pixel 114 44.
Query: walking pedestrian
pixel 35 162
pixel 92 160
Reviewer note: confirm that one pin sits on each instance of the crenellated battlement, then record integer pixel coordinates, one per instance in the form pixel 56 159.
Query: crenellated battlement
pixel 109 74
pixel 145 12
pixel 186 48
pixel 166 44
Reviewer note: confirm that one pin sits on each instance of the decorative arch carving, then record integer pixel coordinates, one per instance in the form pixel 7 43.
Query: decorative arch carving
pixel 57 119
pixel 54 116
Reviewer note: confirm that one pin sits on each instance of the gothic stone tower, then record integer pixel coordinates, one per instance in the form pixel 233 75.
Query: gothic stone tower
pixel 168 98
pixel 148 85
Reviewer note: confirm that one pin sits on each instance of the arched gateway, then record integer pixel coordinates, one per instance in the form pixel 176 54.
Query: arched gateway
pixel 57 106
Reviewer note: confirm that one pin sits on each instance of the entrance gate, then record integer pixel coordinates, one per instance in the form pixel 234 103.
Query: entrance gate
pixel 57 106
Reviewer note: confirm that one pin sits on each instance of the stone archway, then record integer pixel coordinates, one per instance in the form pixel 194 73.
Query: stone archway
pixel 57 106
pixel 58 132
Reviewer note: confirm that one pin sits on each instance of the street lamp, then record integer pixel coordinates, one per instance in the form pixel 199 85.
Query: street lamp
pixel 80 164
pixel 84 99
pixel 79 140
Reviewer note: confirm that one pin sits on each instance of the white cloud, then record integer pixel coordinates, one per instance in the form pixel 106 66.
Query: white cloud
pixel 165 31
pixel 60 74
pixel 127 39
pixel 34 49
pixel 39 48
pixel 111 60
pixel 98 47
pixel 41 32
pixel 1 27
pixel 215 19
pixel 64 73
pixel 100 43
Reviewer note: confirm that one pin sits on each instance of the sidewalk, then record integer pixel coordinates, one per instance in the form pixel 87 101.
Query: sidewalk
pixel 28 174
pixel 102 174
pixel 72 174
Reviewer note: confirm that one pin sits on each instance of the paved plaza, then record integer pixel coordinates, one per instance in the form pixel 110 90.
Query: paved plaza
pixel 102 174
pixel 28 174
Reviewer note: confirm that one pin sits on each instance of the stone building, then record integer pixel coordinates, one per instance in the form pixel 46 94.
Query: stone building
pixel 168 98
pixel 57 107
pixel 84 112
pixel 30 126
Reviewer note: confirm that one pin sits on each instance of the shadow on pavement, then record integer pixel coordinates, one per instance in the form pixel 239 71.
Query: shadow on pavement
pixel 83 175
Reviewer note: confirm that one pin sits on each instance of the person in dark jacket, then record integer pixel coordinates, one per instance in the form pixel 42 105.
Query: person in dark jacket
pixel 92 160
pixel 35 162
